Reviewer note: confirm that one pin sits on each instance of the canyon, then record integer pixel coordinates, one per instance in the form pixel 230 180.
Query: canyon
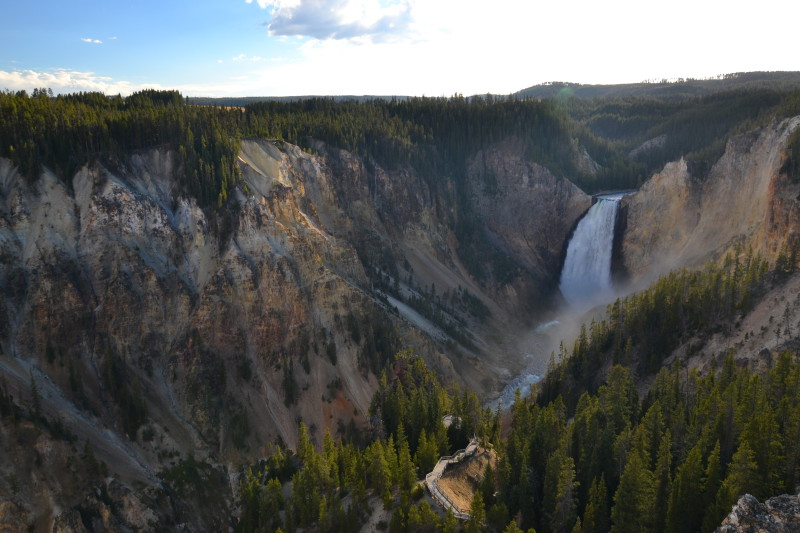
pixel 161 343
pixel 161 340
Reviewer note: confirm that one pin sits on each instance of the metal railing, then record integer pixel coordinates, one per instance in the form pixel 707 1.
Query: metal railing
pixel 432 480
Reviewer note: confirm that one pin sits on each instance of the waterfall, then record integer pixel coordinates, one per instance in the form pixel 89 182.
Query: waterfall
pixel 585 282
pixel 586 277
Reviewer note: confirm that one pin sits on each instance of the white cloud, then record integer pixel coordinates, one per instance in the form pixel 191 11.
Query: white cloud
pixel 446 47
pixel 339 19
pixel 439 47
pixel 435 47
pixel 245 57
pixel 262 3
pixel 66 81
pixel 442 47
pixel 93 41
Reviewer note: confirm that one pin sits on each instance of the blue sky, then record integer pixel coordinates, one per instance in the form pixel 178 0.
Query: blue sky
pixel 414 47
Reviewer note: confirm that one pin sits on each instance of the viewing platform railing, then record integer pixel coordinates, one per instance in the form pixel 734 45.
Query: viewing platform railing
pixel 432 479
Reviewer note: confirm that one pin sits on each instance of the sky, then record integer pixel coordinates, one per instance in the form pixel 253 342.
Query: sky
pixel 383 47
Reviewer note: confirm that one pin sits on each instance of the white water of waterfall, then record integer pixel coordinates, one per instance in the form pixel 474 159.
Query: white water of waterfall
pixel 586 276
pixel 585 282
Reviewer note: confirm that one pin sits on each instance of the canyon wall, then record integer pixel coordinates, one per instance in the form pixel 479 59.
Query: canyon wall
pixel 157 340
pixel 677 219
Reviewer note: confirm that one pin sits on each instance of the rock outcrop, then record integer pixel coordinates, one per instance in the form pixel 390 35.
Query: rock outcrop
pixel 780 514
pixel 677 219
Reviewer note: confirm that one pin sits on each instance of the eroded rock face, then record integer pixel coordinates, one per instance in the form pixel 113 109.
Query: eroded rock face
pixel 780 514
pixel 174 343
pixel 527 210
pixel 677 220
pixel 155 332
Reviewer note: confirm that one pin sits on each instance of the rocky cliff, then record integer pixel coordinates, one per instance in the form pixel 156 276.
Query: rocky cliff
pixel 780 514
pixel 154 346
pixel 527 210
pixel 677 219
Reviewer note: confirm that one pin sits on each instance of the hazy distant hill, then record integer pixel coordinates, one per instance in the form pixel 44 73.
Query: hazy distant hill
pixel 663 89
pixel 669 89
pixel 241 101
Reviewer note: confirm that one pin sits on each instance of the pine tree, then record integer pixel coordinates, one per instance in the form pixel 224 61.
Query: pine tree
pixel 406 470
pixel 380 476
pixel 273 501
pixel 487 486
pixel 497 516
pixel 425 520
pixel 427 453
pixel 762 436
pixel 477 514
pixel 398 522
pixel 618 398
pixel 791 441
pixel 250 498
pixel 741 471
pixel 685 512
pixel 711 484
pixel 595 514
pixel 305 448
pixel 413 521
pixel 512 527
pixel 560 493
pixel 390 455
pixel 450 523
pixel 648 435
pixel 634 499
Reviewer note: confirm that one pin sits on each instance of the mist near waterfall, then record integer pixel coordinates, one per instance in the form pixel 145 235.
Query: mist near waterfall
pixel 585 283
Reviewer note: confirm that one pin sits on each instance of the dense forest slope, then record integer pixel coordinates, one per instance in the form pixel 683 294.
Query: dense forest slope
pixel 182 286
